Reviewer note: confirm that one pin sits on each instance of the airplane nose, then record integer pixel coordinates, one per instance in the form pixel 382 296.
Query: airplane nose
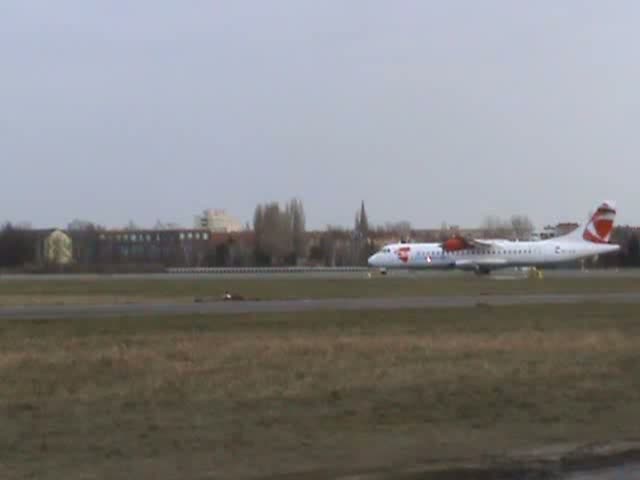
pixel 373 260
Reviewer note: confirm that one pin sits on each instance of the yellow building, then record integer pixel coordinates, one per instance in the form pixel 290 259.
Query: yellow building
pixel 58 248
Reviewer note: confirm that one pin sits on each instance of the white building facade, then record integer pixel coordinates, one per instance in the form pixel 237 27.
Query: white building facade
pixel 217 220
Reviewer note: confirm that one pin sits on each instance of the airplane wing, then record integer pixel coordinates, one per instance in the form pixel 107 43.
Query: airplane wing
pixel 463 243
pixel 481 243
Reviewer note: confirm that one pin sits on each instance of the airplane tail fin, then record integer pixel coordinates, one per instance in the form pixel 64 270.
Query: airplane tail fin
pixel 599 226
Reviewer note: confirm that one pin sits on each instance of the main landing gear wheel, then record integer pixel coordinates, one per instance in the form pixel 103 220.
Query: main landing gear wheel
pixel 480 271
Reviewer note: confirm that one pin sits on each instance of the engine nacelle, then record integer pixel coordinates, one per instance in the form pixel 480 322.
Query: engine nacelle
pixel 454 244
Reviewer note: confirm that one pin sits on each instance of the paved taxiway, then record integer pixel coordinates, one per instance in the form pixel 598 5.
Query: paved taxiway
pixel 629 471
pixel 281 306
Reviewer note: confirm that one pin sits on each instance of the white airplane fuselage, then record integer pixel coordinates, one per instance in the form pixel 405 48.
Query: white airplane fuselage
pixel 501 254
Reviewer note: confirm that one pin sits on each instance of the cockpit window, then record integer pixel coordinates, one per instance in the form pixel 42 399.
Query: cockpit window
pixel 386 250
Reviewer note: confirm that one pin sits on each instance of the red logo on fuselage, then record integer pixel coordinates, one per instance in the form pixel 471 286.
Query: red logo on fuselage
pixel 403 254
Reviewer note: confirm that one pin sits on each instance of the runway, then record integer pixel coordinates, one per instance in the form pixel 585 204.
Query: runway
pixel 283 306
pixel 507 274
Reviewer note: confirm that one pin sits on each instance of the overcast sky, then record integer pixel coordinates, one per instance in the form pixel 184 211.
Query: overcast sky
pixel 429 111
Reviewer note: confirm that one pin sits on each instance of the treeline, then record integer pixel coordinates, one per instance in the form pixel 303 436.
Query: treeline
pixel 16 246
pixel 629 255
pixel 279 238
pixel 338 246
pixel 518 227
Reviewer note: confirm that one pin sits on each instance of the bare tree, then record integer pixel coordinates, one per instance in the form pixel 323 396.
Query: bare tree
pixel 273 228
pixel 24 225
pixel 86 247
pixel 131 226
pixel 298 221
pixel 444 232
pixel 402 228
pixel 337 247
pixel 280 233
pixel 258 229
pixel 79 225
pixel 494 227
pixel 522 227
pixel 271 239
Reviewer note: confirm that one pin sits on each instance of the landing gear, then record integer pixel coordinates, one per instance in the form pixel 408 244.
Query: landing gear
pixel 536 274
pixel 482 271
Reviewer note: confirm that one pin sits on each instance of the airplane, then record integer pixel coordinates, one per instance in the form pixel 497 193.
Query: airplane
pixel 482 256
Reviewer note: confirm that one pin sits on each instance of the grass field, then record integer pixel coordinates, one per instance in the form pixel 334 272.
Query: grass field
pixel 321 393
pixel 180 290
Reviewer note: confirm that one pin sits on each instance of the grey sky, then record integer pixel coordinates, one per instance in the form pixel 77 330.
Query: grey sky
pixel 427 110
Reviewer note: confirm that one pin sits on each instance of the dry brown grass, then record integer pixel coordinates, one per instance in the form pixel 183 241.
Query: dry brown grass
pixel 254 395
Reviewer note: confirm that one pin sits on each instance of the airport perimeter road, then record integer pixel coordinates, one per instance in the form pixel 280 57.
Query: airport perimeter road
pixel 281 306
